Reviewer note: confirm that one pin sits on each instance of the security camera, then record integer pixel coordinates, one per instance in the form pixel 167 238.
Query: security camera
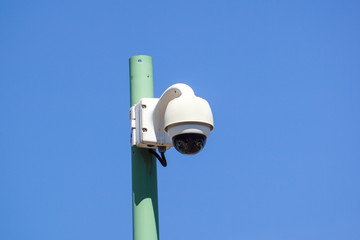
pixel 178 118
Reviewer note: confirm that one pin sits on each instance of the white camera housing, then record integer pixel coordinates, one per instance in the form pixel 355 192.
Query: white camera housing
pixel 178 113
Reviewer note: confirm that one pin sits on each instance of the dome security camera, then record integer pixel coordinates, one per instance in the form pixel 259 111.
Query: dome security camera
pixel 188 121
pixel 178 118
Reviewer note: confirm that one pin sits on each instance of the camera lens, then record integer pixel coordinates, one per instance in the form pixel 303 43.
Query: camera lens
pixel 189 143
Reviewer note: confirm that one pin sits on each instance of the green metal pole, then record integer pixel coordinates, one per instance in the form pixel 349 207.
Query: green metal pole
pixel 144 173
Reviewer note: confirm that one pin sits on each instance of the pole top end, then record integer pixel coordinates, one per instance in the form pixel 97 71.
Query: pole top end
pixel 140 58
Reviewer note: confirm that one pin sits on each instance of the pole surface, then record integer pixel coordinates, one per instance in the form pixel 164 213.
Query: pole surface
pixel 144 173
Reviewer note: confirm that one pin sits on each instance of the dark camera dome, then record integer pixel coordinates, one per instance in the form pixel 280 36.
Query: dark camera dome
pixel 189 143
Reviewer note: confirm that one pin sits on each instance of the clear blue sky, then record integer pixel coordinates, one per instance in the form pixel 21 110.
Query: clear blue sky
pixel 282 78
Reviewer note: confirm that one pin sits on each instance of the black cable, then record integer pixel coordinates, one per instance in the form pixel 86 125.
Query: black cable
pixel 161 159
